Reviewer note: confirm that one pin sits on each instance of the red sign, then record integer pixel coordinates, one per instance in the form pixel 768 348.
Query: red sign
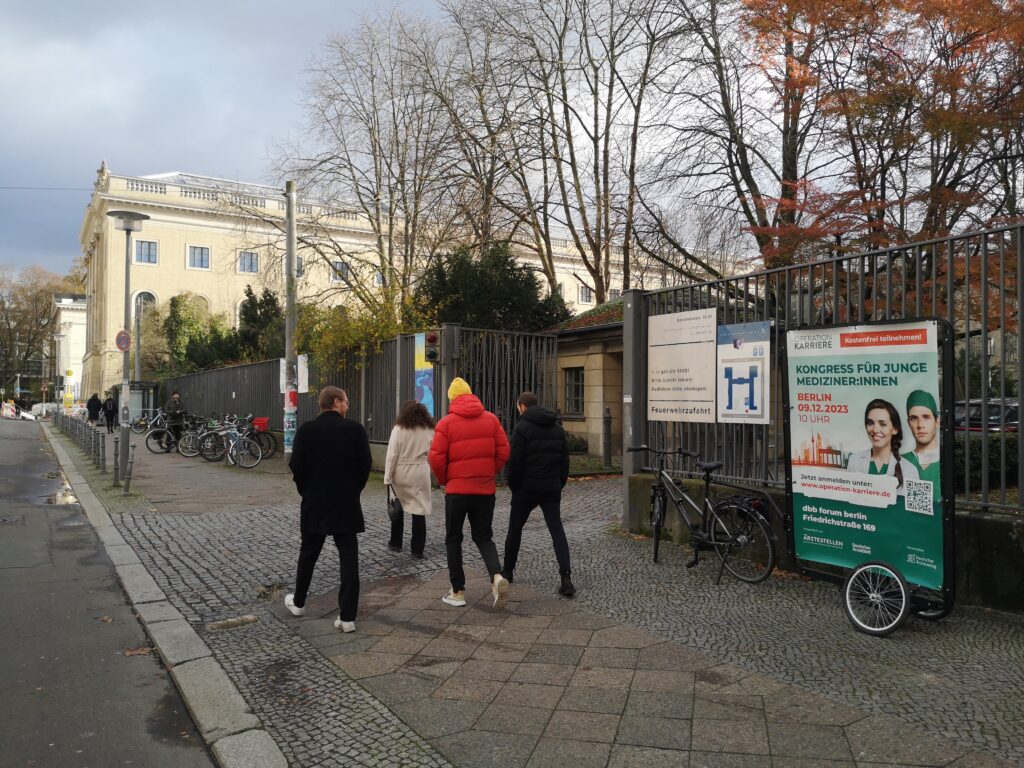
pixel 883 338
pixel 123 340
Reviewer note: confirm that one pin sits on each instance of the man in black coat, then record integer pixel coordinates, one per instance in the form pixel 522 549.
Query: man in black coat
pixel 330 465
pixel 538 467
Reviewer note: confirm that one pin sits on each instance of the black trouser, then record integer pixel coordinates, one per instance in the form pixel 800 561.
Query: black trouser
pixel 480 511
pixel 348 554
pixel 419 533
pixel 522 506
pixel 110 422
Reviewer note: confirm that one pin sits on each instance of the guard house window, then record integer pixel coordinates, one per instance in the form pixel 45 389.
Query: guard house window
pixel 586 295
pixel 614 294
pixel 573 391
pixel 340 272
pixel 198 257
pixel 248 262
pixel 145 252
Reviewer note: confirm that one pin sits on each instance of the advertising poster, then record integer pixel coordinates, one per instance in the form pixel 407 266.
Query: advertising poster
pixel 744 350
pixel 424 372
pixel 864 432
pixel 681 366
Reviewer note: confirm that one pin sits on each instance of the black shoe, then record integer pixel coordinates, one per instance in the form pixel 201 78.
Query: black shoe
pixel 508 576
pixel 394 547
pixel 417 555
pixel 567 589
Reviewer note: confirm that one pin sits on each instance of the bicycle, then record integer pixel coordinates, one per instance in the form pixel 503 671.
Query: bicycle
pixel 161 440
pixel 143 423
pixel 733 527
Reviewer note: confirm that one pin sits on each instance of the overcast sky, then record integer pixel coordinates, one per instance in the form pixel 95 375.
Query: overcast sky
pixel 199 86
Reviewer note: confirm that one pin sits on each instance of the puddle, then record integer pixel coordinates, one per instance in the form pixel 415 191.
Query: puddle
pixel 63 496
pixel 52 475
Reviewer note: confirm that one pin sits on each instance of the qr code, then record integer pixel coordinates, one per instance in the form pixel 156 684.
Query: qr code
pixel 919 497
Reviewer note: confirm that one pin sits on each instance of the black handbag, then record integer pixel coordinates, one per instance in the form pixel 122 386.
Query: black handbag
pixel 395 510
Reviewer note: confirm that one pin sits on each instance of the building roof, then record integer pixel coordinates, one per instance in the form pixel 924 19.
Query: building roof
pixel 212 182
pixel 609 313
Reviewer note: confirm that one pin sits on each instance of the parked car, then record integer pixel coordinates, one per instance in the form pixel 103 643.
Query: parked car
pixel 1003 415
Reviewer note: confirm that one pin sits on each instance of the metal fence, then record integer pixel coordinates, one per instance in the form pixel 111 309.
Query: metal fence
pixel 972 281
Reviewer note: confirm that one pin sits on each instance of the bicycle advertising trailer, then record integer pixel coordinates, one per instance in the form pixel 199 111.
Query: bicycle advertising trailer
pixel 869 433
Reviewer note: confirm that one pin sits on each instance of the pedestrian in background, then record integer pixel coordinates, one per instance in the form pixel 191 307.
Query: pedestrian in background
pixel 93 407
pixel 330 464
pixel 175 413
pixel 468 450
pixel 407 472
pixel 538 468
pixel 110 413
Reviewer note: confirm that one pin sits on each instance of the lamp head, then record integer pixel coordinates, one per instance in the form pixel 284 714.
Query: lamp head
pixel 128 221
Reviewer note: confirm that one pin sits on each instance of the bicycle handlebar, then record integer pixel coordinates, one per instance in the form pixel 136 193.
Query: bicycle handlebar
pixel 664 452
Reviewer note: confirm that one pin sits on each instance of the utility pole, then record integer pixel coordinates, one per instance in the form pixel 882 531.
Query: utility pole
pixel 138 337
pixel 291 387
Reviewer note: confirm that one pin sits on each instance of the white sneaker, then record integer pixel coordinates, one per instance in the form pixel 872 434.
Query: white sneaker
pixel 499 588
pixel 289 603
pixel 345 626
pixel 458 599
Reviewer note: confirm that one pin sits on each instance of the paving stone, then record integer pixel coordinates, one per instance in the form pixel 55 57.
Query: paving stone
pixel 602 677
pixel 625 756
pixel 531 695
pixel 399 644
pixel 672 656
pixel 622 636
pixel 486 749
pixel 809 762
pixel 742 736
pixel 516 635
pixel 177 641
pixel 662 680
pixel 660 704
pixel 803 707
pixel 371 663
pixel 436 668
pixel 717 677
pixel 564 636
pixel 660 732
pixel 607 700
pixel 154 612
pixel 728 706
pixel 400 687
pixel 212 699
pixel 487 670
pixel 624 658
pixel 438 717
pixel 554 654
pixel 584 726
pixel 877 739
pixel 252 749
pixel 558 753
pixel 506 652
pixel 581 620
pixel 545 674
pixel 826 742
pixel 122 555
pixel 450 648
pixel 139 585
pixel 516 621
pixel 346 645
pixel 468 689
pixel 512 718
pixel 727 760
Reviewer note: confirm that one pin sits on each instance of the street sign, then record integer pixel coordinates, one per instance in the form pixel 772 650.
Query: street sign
pixel 123 340
pixel 3 392
pixel 69 373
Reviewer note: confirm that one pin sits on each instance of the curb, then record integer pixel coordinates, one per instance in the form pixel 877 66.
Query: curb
pixel 231 731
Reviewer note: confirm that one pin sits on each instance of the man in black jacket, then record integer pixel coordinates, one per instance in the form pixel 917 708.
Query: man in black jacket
pixel 330 465
pixel 538 467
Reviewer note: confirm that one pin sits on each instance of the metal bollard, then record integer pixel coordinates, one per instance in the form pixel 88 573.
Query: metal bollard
pixel 94 447
pixel 128 473
pixel 607 447
pixel 103 452
pixel 117 464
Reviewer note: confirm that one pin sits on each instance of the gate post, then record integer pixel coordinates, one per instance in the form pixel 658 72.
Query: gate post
pixel 634 392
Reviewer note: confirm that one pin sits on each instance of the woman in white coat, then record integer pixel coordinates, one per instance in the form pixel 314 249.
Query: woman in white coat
pixel 407 472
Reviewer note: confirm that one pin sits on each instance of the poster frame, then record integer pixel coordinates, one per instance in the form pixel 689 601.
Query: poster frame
pixel 947 390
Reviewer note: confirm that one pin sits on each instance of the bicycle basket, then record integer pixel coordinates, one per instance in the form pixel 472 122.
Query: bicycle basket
pixel 260 423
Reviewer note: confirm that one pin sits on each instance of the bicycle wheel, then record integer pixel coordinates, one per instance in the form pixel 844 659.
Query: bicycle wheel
pixel 212 447
pixel 246 452
pixel 743 541
pixel 159 441
pixel 189 445
pixel 267 442
pixel 876 598
pixel 139 425
pixel 657 521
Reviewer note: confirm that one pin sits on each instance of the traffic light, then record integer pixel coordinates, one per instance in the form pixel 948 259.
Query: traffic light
pixel 432 346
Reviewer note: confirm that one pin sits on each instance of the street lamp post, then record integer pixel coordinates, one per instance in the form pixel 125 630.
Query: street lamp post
pixel 129 221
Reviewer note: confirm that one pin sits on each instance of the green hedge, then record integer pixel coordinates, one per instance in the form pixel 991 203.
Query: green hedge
pixel 972 441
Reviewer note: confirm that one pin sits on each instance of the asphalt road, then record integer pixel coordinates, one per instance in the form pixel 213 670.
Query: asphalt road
pixel 79 685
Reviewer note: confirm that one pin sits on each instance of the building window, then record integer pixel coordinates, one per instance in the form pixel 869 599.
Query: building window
pixel 145 252
pixel 198 257
pixel 144 301
pixel 378 279
pixel 340 272
pixel 586 295
pixel 573 391
pixel 248 262
pixel 560 289
pixel 614 294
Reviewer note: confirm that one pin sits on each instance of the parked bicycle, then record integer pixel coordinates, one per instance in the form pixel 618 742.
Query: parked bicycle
pixel 733 526
pixel 143 422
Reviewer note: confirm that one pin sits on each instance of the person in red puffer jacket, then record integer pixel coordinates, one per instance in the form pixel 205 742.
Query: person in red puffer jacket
pixel 468 450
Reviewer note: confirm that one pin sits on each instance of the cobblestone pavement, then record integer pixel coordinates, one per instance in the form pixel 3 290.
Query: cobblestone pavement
pixel 962 677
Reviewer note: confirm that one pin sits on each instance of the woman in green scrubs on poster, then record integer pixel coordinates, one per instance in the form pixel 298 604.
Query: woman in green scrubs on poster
pixel 885 431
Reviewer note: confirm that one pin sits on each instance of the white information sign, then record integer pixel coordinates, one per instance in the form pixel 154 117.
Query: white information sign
pixel 681 366
pixel 303 374
pixel 743 373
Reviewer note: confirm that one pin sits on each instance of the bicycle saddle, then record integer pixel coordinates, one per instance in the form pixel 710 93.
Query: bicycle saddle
pixel 710 466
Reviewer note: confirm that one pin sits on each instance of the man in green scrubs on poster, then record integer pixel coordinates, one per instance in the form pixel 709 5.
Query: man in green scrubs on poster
pixel 923 420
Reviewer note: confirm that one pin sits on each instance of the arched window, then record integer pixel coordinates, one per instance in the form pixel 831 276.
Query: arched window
pixel 144 300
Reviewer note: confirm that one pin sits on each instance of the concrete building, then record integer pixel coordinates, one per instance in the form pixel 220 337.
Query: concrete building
pixel 69 323
pixel 212 238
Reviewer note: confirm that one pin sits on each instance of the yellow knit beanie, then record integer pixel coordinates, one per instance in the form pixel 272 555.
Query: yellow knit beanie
pixel 458 388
